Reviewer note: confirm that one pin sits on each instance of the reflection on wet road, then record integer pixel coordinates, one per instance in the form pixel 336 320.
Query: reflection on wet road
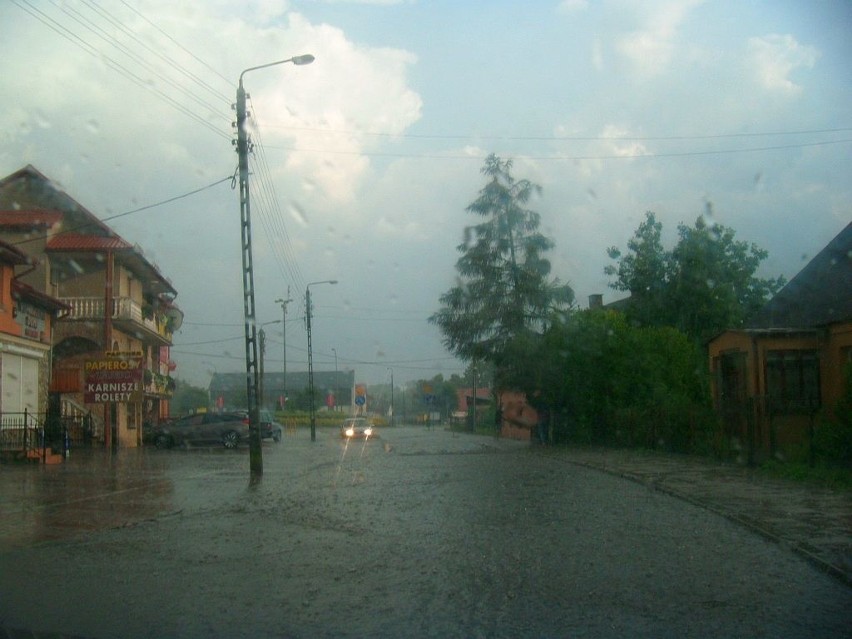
pixel 95 490
pixel 418 533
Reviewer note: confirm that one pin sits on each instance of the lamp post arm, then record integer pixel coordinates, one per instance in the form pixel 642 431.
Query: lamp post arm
pixel 297 60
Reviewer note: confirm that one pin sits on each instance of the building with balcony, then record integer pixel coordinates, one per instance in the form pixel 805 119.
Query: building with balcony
pixel 118 305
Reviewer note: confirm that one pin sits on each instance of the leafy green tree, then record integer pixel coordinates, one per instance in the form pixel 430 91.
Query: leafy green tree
pixel 706 284
pixel 643 272
pixel 607 381
pixel 504 288
pixel 187 398
pixel 712 284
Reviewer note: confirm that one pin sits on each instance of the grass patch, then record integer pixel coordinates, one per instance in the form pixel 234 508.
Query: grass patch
pixel 824 476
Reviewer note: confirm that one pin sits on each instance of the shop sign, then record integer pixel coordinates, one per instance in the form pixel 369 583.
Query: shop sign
pixel 113 379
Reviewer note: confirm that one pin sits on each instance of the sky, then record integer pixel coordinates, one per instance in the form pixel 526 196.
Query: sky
pixel 364 161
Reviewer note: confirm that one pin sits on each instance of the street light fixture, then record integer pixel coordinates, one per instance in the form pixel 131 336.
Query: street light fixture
pixel 391 411
pixel 334 350
pixel 310 355
pixel 255 449
pixel 261 335
pixel 284 303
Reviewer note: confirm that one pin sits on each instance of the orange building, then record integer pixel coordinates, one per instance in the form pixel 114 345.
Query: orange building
pixel 26 324
pixel 774 378
pixel 117 301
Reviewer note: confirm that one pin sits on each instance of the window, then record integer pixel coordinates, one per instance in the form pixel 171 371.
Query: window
pixel 792 381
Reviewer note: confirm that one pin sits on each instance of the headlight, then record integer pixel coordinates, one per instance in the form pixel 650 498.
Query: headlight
pixel 368 431
pixel 350 432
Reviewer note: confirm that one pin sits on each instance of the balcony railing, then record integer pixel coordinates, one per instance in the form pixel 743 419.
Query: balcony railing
pixel 125 309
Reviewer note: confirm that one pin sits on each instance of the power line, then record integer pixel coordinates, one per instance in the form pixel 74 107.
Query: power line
pixel 169 200
pixel 91 26
pixel 272 216
pixel 82 43
pixel 176 43
pixel 42 236
pixel 559 138
pixel 573 158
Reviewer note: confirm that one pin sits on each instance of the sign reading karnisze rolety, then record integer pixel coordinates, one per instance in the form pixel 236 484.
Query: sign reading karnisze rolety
pixel 113 380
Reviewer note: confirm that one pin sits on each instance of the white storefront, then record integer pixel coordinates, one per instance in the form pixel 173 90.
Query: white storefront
pixel 20 383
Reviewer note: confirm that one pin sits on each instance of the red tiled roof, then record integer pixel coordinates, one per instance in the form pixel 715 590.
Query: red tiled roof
pixel 77 242
pixel 30 217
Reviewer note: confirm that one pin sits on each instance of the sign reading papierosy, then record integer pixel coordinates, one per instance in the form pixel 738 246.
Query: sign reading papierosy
pixel 117 377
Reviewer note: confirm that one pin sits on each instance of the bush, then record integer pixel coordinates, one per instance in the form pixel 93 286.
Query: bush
pixel 833 437
pixel 833 442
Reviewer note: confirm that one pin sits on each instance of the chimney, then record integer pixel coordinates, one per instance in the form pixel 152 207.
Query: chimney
pixel 596 301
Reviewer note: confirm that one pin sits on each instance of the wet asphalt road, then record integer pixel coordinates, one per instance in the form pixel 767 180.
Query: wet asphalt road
pixel 417 534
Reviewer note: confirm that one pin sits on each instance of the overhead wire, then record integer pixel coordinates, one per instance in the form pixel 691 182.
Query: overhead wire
pixel 41 236
pixel 568 158
pixel 175 42
pixel 269 209
pixel 272 215
pixel 170 61
pixel 121 69
pixel 558 138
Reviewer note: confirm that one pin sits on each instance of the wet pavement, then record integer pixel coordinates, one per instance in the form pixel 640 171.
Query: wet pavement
pixel 428 492
pixel 814 522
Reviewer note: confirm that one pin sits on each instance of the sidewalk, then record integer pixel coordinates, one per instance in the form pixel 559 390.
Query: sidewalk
pixel 813 522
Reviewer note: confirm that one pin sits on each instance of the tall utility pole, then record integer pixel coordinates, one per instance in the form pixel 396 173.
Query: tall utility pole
pixel 334 350
pixel 473 425
pixel 255 448
pixel 284 337
pixel 261 336
pixel 391 406
pixel 310 355
pixel 310 363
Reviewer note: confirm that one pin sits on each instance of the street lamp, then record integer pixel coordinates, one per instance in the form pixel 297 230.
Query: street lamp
pixel 261 334
pixel 391 415
pixel 310 355
pixel 255 449
pixel 334 350
pixel 284 303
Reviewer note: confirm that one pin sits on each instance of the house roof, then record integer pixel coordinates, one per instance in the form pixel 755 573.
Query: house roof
pixel 78 242
pixel 28 191
pixel 11 254
pixel 819 295
pixel 30 199
pixel 30 218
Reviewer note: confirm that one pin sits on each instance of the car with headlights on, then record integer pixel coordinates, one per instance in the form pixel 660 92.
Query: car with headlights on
pixel 357 428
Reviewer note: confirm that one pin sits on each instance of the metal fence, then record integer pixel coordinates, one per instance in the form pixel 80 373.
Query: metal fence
pixel 24 433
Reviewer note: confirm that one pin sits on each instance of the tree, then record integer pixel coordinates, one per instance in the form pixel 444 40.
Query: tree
pixel 706 284
pixel 187 398
pixel 607 381
pixel 503 288
pixel 712 284
pixel 643 272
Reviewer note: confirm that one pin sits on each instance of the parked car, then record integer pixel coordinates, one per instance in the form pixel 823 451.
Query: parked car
pixel 357 427
pixel 229 429
pixel 269 428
